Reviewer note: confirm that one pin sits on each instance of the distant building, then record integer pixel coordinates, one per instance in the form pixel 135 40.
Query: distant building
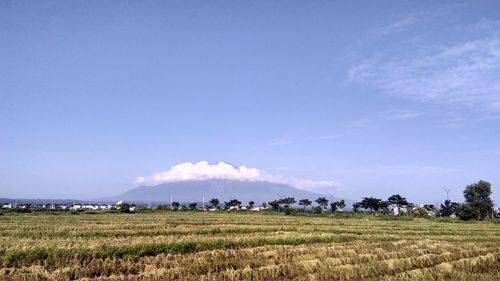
pixel 76 207
pixel 90 207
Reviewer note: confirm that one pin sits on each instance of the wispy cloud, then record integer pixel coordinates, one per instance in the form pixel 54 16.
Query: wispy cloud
pixel 395 26
pixel 361 123
pixel 400 114
pixel 280 142
pixel 463 73
pixel 203 170
pixel 399 170
pixel 326 137
pixel 489 153
pixel 287 141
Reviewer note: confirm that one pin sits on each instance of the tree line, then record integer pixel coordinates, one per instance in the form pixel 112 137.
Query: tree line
pixel 477 205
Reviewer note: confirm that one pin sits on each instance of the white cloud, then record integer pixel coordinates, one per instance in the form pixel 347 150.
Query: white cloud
pixel 463 73
pixel 203 170
pixel 280 142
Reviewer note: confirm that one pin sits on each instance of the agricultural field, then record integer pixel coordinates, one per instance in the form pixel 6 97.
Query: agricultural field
pixel 244 246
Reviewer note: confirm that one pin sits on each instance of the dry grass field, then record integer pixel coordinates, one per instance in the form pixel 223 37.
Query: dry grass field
pixel 243 246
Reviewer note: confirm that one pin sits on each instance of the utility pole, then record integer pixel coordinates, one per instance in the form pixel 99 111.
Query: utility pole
pixel 331 196
pixel 447 190
pixel 171 200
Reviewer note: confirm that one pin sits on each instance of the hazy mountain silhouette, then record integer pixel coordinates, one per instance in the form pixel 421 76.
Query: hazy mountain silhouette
pixel 224 190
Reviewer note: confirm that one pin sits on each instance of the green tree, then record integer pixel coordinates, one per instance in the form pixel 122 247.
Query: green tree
pixel 467 212
pixel 430 207
pixel 322 202
pixel 384 205
pixel 448 208
pixel 337 205
pixel 275 205
pixel 192 206
pixel 373 204
pixel 214 203
pixel 370 203
pixel 341 204
pixel 333 207
pixel 175 205
pixel 356 206
pixel 305 202
pixel 397 200
pixel 250 204
pixel 287 202
pixel 477 196
pixel 232 203
pixel 124 208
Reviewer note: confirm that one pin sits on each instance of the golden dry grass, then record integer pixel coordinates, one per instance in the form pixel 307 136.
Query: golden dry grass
pixel 243 246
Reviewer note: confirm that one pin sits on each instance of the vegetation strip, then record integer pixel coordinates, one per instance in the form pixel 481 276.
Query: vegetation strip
pixel 134 251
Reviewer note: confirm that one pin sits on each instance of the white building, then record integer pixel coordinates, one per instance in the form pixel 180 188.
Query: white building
pixel 395 211
pixel 90 207
pixel 76 207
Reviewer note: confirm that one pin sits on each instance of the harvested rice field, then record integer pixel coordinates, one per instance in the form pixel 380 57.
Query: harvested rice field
pixel 244 246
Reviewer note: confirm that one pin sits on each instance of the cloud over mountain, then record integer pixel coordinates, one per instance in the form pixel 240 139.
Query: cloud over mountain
pixel 203 170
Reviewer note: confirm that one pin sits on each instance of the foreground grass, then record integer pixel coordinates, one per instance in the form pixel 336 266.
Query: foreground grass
pixel 244 246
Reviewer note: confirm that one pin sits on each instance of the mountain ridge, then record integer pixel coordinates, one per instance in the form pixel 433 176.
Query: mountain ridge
pixel 222 189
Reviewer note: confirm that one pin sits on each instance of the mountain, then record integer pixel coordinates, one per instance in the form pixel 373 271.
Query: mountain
pixel 39 201
pixel 224 190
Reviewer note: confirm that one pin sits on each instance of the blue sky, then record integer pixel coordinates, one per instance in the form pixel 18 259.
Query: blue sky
pixel 380 97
